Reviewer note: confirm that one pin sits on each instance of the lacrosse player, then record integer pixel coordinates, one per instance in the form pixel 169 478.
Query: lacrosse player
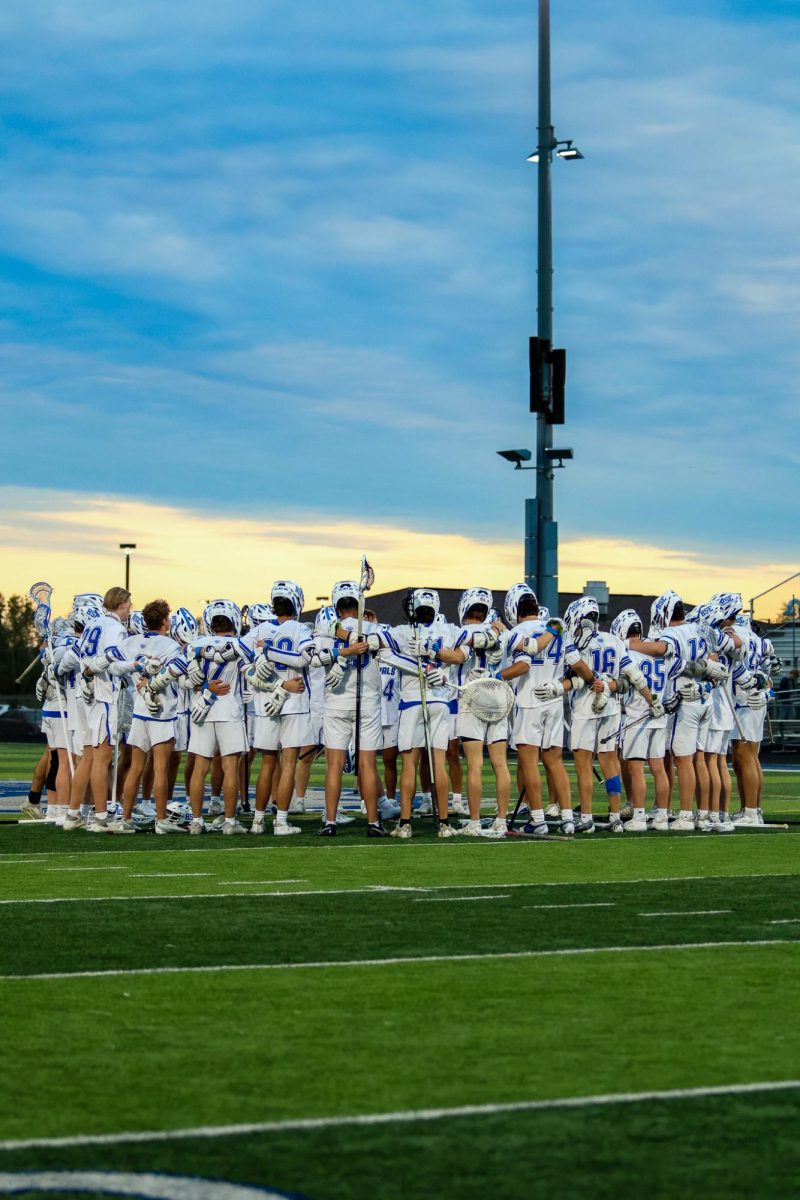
pixel 102 667
pixel 750 692
pixel 477 642
pixel 418 651
pixel 643 736
pixel 309 754
pixel 341 653
pixel 390 720
pixel 282 702
pixel 52 693
pixel 595 710
pixel 217 710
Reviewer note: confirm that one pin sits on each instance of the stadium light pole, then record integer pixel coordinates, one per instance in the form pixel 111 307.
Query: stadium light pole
pixel 127 548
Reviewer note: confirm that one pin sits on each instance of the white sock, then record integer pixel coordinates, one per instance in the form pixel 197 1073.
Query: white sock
pixel 258 817
pixel 751 812
pixel 566 814
pixel 281 818
pixel 702 813
pixel 101 816
pixel 456 797
pixel 638 812
pixel 230 820
pixel 537 816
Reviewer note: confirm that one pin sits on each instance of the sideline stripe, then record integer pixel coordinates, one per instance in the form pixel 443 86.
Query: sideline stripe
pixel 404 1115
pixel 409 960
pixel 377 888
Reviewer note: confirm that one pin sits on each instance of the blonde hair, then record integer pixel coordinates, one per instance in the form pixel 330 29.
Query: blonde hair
pixel 115 597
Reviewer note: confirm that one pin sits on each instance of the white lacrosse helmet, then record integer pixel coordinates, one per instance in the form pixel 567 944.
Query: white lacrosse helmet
pixel 662 609
pixel 425 598
pixel 742 621
pixel 544 613
pixel 93 598
pixel 223 608
pixel 258 613
pixel 347 589
pixel 727 606
pixel 512 600
pixel 287 589
pixel 470 598
pixel 86 612
pixel 323 619
pixel 440 619
pixel 622 624
pixel 582 619
pixel 62 626
pixel 136 622
pixel 182 626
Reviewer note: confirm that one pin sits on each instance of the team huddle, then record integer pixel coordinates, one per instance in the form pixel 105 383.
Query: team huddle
pixel 126 694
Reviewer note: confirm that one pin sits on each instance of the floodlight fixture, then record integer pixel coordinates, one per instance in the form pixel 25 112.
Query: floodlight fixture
pixel 565 150
pixel 558 456
pixel 517 457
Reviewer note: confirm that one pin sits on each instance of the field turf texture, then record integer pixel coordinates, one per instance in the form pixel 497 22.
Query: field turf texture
pixel 343 1019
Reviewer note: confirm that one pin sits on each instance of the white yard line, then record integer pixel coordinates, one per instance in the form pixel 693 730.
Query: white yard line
pixel 691 912
pixel 591 904
pixel 456 899
pixel 174 875
pixel 255 882
pixel 410 960
pixel 786 921
pixel 402 1116
pixel 110 867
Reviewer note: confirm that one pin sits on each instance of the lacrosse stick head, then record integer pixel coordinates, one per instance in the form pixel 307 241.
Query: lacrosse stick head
pixel 488 699
pixel 367 575
pixel 40 593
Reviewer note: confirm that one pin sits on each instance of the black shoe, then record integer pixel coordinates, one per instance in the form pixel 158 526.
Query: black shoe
pixel 327 830
pixel 378 831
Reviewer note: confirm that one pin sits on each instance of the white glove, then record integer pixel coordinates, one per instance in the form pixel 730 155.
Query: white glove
pixel 657 709
pixel 274 701
pixel 717 672
pixel 601 699
pixel 42 684
pixel 421 647
pixel 435 678
pixel 148 666
pixel 688 690
pixel 495 657
pixel 485 639
pixel 335 676
pixel 201 706
pixel 263 671
pixel 152 701
pixel 322 657
pixel 549 691
pixel 757 700
pixel 623 685
pixel 577 682
pixel 195 673
pixel 478 673
pixel 373 642
pixel 86 686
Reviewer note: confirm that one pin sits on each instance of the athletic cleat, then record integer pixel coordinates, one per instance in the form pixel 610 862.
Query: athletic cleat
pixel 584 824
pixel 121 826
pixel 234 829
pixel 567 828
pixel 298 804
pixel 457 808
pixel 328 830
pixel 30 812
pixel 343 818
pixel 285 830
pixel 197 827
pixel 216 808
pixel 683 823
pixel 164 827
pixel 535 831
pixel 471 829
pixel 616 826
pixel 96 826
pixel 258 827
pixel 498 828
pixel 377 831
pixel 73 820
pixel 425 808
pixel 401 831
pixel 745 821
pixel 660 822
pixel 724 825
pixel 447 831
pixel 636 825
pixel 552 812
pixel 626 812
pixel 388 810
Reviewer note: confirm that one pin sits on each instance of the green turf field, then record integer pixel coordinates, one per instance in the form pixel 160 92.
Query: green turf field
pixel 344 1019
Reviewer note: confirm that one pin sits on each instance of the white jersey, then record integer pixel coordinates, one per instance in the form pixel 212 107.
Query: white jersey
pixel 390 692
pixel 342 698
pixel 231 706
pixel 755 654
pixel 548 666
pixel 655 676
pixel 605 654
pixel 686 643
pixel 476 659
pixel 153 645
pixel 283 643
pixel 56 699
pixel 399 641
pixel 103 636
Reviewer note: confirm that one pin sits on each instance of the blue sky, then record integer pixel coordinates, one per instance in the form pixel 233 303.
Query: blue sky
pixel 279 260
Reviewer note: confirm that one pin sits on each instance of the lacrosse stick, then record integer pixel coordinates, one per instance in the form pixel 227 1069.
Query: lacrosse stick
pixel 28 669
pixel 366 580
pixel 670 707
pixel 423 699
pixel 515 813
pixel 489 699
pixel 40 593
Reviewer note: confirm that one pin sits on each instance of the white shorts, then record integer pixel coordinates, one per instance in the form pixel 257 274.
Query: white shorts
pixel 751 721
pixel 454 726
pixel 54 729
pixel 718 741
pixel 291 730
pixel 317 716
pixel 102 723
pixel 587 733
pixel 411 732
pixel 181 723
pixel 687 729
pixel 646 740
pixel 146 733
pixel 474 729
pixel 339 730
pixel 389 737
pixel 229 737
pixel 542 726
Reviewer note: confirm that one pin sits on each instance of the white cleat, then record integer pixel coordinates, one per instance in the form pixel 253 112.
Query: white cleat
pixel 660 822
pixel 298 804
pixel 164 827
pixel 425 807
pixel 552 812
pixel 197 827
pixel 584 825
pixel 683 823
pixel 30 812
pixel 636 825
pixel 567 828
pixel 342 818
pixel 73 820
pixel 121 826
pixel 388 810
pixel 285 830
pixel 401 831
pixel 232 829
pixel 458 808
pixel 616 826
pixel 447 831
pixel 746 821
pixel 724 825
pixel 471 829
pixel 258 827
pixel 216 807
pixel 97 826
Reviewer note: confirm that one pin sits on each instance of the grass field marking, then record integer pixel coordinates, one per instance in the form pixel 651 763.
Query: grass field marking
pixel 408 960
pixel 175 875
pixel 255 882
pixel 456 899
pixel 690 912
pixel 592 904
pixel 110 867
pixel 785 921
pixel 402 1116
